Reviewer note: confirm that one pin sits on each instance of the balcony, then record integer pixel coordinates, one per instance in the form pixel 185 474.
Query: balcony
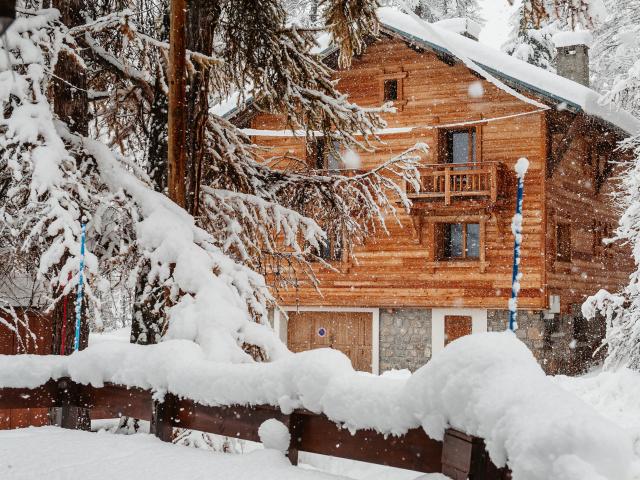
pixel 454 183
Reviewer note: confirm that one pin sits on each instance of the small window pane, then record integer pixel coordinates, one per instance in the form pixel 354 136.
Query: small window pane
pixel 333 157
pixel 453 244
pixel 461 146
pixel 473 240
pixel 390 90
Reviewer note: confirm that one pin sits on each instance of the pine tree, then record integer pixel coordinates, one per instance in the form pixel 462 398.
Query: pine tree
pixel 530 39
pixel 616 55
pixel 200 278
pixel 535 22
pixel 435 10
pixel 616 62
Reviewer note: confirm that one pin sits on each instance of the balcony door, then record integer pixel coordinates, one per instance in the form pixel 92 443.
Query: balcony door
pixel 459 147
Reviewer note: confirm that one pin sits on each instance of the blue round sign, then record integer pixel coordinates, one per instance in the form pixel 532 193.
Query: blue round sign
pixel 322 332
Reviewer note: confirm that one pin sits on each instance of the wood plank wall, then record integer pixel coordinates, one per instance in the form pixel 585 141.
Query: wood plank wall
pixel 395 270
pixel 573 198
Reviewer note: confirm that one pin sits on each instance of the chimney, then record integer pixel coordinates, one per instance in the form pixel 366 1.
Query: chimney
pixel 572 55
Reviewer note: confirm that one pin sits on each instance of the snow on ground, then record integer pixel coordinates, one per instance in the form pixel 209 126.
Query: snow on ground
pixel 616 396
pixel 488 385
pixel 57 454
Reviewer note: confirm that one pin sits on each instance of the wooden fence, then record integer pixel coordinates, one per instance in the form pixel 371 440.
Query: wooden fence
pixel 459 456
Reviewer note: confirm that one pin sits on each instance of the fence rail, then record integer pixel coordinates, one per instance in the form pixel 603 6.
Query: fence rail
pixel 459 456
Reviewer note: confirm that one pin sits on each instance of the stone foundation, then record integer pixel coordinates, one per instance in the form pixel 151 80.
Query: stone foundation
pixel 564 344
pixel 405 338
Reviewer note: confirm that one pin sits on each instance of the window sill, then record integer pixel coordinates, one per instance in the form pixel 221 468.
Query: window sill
pixel 445 264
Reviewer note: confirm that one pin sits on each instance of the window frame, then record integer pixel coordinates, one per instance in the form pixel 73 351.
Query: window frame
pixel 399 77
pixel 318 158
pixel 429 224
pixel 333 250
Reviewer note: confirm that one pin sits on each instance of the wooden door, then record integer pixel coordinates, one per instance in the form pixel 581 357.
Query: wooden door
pixel 349 332
pixel 456 326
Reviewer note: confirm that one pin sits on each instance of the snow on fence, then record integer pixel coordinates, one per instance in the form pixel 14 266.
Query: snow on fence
pixel 459 456
pixel 488 386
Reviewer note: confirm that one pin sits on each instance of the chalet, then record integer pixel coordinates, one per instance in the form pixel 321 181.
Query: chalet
pixel 446 271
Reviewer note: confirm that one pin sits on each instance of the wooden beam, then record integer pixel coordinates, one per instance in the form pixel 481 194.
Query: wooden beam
pixel 177 104
pixel 44 396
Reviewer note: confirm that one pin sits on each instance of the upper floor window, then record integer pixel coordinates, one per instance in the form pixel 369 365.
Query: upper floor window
pixel 322 157
pixel 563 242
pixel 331 249
pixel 391 90
pixel 459 241
pixel 459 146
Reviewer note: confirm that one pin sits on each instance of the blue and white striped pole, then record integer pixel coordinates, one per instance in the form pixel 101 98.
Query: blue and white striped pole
pixel 76 344
pixel 521 167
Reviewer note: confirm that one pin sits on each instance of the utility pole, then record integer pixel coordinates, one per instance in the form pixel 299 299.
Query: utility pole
pixel 177 103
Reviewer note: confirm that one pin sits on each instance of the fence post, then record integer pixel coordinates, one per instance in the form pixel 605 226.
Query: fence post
pixel 162 418
pixel 295 430
pixel 464 456
pixel 71 414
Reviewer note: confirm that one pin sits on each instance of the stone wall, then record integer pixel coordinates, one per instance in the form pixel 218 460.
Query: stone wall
pixel 563 344
pixel 405 338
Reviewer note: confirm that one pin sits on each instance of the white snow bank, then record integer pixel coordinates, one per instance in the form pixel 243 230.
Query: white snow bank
pixel 57 454
pixel 491 386
pixel 488 385
pixel 615 395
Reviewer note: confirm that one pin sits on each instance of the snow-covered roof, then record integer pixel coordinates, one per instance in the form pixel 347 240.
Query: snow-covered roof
pixel 461 26
pixel 520 74
pixel 571 39
pixel 516 73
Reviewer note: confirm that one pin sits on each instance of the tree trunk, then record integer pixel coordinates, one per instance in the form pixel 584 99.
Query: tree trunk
pixel 202 16
pixel 177 104
pixel 71 105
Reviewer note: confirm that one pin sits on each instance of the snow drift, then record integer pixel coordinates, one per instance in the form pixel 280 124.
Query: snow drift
pixel 488 385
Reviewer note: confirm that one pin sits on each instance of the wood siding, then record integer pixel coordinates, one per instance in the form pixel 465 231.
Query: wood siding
pixel 576 201
pixel 401 269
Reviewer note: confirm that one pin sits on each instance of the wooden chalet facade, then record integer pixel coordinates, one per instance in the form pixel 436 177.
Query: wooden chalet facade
pixel 446 270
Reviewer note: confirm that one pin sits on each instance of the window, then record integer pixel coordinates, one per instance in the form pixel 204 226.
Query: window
pixel 563 242
pixel 459 241
pixel 459 146
pixel 321 157
pixel 390 90
pixel 332 248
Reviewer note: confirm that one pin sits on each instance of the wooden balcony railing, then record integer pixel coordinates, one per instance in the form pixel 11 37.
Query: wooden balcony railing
pixel 448 181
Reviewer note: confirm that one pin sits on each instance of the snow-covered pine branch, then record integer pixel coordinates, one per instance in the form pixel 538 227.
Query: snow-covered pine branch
pixel 272 225
pixel 54 177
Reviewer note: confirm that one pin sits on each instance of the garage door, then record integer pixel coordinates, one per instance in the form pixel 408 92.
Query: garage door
pixel 349 332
